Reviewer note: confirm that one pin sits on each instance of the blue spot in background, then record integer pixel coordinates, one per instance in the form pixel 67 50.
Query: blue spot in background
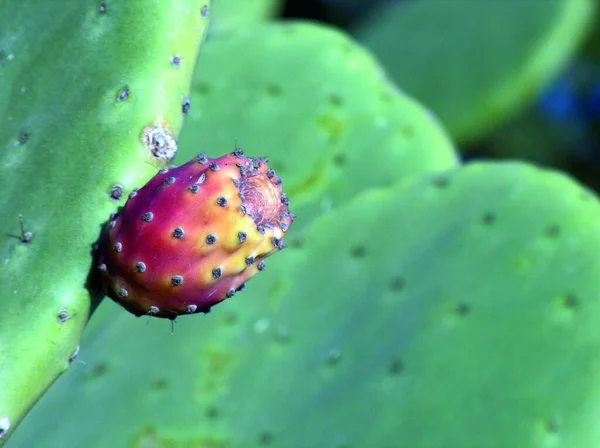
pixel 559 102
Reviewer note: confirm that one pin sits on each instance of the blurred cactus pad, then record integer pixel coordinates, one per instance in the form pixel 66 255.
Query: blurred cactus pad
pixel 422 301
pixel 474 63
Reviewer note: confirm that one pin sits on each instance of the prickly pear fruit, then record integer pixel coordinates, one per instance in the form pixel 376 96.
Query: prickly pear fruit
pixel 193 235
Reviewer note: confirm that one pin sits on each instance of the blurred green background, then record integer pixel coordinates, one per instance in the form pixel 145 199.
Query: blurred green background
pixel 454 56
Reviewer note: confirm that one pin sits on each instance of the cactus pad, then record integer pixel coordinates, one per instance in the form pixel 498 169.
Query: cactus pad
pixel 475 63
pixel 454 302
pixel 193 235
pixel 80 81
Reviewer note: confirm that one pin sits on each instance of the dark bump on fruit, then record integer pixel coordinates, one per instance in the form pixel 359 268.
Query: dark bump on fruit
pixel 147 217
pixel 278 181
pixel 211 238
pixel 175 61
pixel 124 94
pixel 191 309
pixel 102 267
pixel 237 183
pixel 243 209
pixel 282 245
pixel 284 199
pixel 185 106
pixel 275 242
pixel 170 180
pixel 102 9
pixel 261 229
pixel 242 169
pixel 194 188
pixel 255 163
pixel 283 226
pixel 217 272
pixel 261 265
pixel 163 171
pixel 242 196
pixel 118 247
pixel 222 201
pixel 201 179
pixel 204 12
pixel 249 261
pixel 153 310
pixel 133 194
pixel 112 216
pixel 176 280
pixel 178 233
pixel 214 167
pixel 270 173
pixel 201 158
pixel 230 293
pixel 112 224
pixel 242 236
pixel 123 292
pixel 116 192
pixel 238 152
pixel 140 266
pixel 241 287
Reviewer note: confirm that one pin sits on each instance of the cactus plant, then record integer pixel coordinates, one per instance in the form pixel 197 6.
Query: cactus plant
pixel 84 85
pixel 400 325
pixel 193 235
pixel 475 63
pixel 333 130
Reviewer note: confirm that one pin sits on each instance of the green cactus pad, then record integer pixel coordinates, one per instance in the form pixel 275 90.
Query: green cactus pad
pixel 317 105
pixel 454 311
pixel 80 82
pixel 475 63
pixel 229 14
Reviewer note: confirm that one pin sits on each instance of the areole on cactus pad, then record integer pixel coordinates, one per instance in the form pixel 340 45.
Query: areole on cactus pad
pixel 193 235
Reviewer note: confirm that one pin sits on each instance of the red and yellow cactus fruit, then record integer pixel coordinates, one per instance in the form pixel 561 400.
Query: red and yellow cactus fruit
pixel 193 235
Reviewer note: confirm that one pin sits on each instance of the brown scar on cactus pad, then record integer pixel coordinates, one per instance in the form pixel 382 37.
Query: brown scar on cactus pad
pixel 194 235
